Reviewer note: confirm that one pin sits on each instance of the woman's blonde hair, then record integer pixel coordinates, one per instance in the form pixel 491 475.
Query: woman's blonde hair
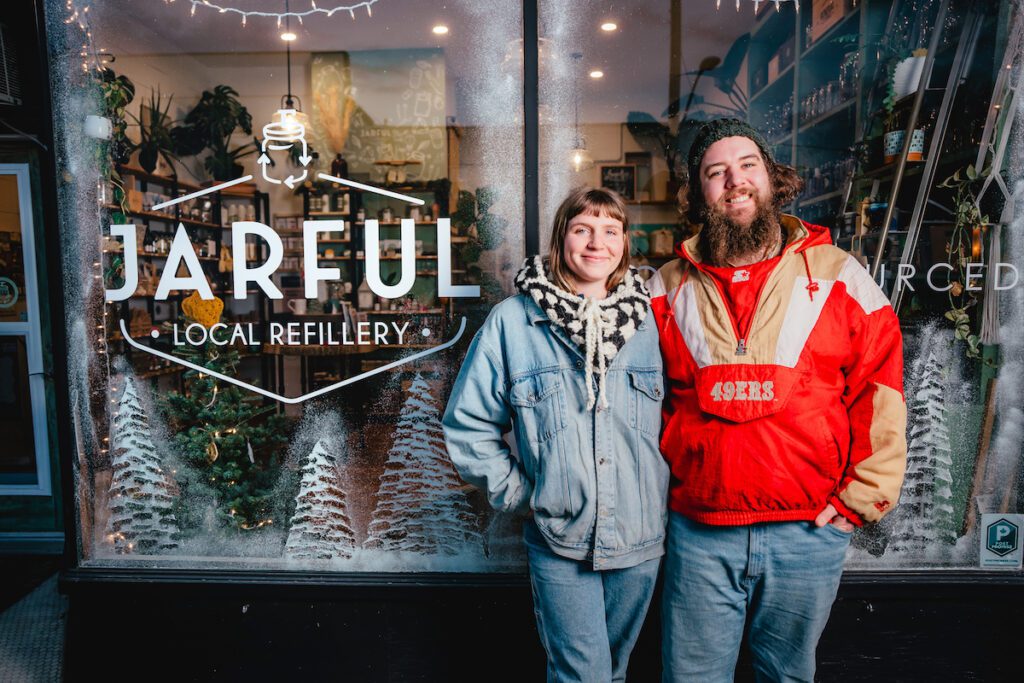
pixel 592 201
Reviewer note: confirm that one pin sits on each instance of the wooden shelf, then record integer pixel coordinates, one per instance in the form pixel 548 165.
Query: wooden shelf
pixel 778 79
pixel 431 311
pixel 158 373
pixel 394 224
pixel 399 258
pixel 159 179
pixel 143 253
pixel 829 34
pixel 170 218
pixel 827 115
pixel 820 198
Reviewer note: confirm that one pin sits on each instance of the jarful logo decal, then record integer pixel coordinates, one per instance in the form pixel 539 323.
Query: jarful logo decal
pixel 183 272
pixel 744 391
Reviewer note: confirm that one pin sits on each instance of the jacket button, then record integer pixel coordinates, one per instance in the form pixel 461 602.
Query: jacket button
pixel 601 461
pixel 579 364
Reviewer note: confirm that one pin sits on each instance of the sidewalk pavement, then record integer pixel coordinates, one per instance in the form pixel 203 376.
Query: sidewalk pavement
pixel 32 636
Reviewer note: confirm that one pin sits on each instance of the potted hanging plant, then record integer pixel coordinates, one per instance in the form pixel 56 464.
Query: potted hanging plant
pixel 118 93
pixel 155 142
pixel 210 126
pixel 903 67
pixel 963 248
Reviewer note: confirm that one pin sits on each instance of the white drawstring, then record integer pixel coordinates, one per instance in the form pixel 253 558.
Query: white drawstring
pixel 596 321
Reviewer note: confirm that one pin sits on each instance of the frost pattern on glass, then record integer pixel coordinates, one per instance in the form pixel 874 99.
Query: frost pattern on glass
pixel 923 522
pixel 320 528
pixel 421 503
pixel 140 500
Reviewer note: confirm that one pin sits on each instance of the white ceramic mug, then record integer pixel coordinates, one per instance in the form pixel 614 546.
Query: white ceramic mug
pixel 297 306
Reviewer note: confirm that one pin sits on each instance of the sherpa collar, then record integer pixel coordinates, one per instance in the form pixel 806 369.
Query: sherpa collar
pixel 600 327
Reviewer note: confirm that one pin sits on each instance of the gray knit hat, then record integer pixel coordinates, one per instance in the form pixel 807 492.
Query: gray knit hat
pixel 713 131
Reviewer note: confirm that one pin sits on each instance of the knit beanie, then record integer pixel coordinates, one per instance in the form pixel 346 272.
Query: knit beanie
pixel 713 131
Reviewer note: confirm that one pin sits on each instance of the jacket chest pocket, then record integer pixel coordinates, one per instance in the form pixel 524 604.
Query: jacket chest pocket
pixel 647 392
pixel 539 402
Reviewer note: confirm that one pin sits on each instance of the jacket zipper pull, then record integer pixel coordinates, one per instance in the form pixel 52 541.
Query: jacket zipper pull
pixel 741 347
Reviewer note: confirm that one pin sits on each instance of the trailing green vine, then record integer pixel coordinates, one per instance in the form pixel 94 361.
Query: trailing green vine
pixel 959 254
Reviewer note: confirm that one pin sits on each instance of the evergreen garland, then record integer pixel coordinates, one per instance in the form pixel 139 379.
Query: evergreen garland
pixel 228 441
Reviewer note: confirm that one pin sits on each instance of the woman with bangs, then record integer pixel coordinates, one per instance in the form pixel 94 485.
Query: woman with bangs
pixel 571 363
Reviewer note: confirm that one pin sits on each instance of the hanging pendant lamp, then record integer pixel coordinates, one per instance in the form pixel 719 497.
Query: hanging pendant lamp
pixel 290 114
pixel 580 158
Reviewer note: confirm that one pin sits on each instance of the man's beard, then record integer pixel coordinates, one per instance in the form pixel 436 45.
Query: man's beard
pixel 723 240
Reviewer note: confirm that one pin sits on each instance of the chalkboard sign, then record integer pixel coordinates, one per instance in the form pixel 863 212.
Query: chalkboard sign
pixel 621 178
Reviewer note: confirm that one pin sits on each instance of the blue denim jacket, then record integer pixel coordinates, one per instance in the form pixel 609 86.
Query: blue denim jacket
pixel 595 480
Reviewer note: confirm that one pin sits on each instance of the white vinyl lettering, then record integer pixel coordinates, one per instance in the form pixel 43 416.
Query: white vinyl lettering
pixel 408 260
pixel 999 286
pixel 131 268
pixel 929 277
pixel 313 272
pixel 444 264
pixel 260 276
pixel 182 252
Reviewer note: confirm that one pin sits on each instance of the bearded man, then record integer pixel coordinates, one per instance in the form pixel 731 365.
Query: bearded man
pixel 784 425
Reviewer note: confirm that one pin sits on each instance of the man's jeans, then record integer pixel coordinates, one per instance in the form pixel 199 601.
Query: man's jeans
pixel 780 578
pixel 588 620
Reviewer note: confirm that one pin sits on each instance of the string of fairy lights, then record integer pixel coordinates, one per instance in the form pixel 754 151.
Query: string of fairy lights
pixel 314 10
pixel 757 3
pixel 78 15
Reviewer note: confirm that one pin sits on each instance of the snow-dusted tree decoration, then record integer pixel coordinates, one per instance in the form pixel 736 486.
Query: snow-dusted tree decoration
pixel 140 500
pixel 320 528
pixel 923 523
pixel 421 502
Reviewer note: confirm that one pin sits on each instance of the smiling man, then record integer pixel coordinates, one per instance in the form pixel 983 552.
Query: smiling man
pixel 785 423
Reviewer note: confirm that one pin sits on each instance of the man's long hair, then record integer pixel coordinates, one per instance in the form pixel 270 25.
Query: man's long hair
pixel 786 185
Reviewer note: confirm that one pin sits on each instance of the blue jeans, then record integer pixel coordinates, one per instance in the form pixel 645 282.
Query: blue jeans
pixel 588 620
pixel 777 579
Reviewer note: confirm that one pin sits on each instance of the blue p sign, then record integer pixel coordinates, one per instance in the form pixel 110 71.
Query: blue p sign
pixel 1002 537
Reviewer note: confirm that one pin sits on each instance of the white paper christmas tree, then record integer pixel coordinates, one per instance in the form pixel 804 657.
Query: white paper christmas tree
pixel 320 528
pixel 140 501
pixel 923 522
pixel 421 502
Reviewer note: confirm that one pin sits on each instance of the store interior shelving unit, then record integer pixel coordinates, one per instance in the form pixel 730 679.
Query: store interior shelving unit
pixel 208 222
pixel 793 61
pixel 349 300
pixel 838 148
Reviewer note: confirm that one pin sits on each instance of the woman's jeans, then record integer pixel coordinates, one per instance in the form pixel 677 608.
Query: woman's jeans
pixel 588 620
pixel 778 578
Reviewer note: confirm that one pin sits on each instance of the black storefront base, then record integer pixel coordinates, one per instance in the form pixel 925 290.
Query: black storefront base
pixel 274 626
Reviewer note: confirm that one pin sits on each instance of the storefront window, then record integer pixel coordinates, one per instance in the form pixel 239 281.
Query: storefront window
pixel 233 403
pixel 832 86
pixel 24 462
pixel 283 221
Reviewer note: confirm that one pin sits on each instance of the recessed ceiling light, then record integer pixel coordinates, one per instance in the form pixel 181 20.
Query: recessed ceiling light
pixel 597 73
pixel 288 37
pixel 609 26
pixel 440 30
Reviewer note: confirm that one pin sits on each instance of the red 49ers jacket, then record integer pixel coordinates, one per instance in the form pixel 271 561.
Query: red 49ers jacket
pixel 802 409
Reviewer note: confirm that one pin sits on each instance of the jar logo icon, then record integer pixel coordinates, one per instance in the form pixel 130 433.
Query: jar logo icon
pixel 284 135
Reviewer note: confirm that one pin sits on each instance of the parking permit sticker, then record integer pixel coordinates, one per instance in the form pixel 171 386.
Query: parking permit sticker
pixel 1001 541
